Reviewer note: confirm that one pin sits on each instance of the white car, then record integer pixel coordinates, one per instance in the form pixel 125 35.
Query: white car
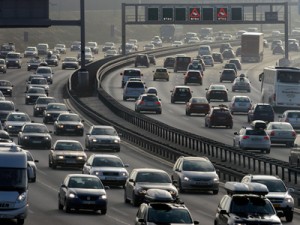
pixel 291 116
pixel 30 51
pixel 281 133
pixel 149 47
pixel 252 139
pixel 177 43
pixel 46 72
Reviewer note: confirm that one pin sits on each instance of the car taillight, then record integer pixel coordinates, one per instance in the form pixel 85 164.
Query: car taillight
pixel 294 134
pixel 142 102
pixel 266 138
pixel 272 133
pixel 157 103
pixel 246 137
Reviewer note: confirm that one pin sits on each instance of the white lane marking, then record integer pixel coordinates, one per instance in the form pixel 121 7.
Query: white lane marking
pixel 119 221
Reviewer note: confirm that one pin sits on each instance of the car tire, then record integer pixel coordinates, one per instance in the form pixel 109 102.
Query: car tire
pixel 67 208
pixel 60 206
pixel 126 200
pixel 215 192
pixel 20 221
pixel 158 112
pixel 103 211
pixel 134 200
pixel 180 189
pixel 53 165
pixel 289 215
pixel 268 151
pixel 187 113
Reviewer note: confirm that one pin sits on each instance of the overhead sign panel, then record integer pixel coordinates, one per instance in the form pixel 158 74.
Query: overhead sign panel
pixel 208 14
pixel 271 16
pixel 167 14
pixel 152 14
pixel 180 14
pixel 195 14
pixel 222 14
pixel 237 14
pixel 24 13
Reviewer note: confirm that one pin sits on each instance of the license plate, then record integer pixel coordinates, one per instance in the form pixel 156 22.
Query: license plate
pixel 242 104
pixel 276 205
pixel 256 139
pixel 88 202
pixel 70 161
pixel 202 183
pixel 36 142
pixel 70 129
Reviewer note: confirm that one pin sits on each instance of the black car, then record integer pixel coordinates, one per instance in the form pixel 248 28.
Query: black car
pixel 41 104
pixel 225 46
pixel 152 59
pixel 162 209
pixel 34 63
pixel 82 191
pixel 181 94
pixel 169 62
pixel 6 87
pixel 5 108
pixel 219 116
pixel 218 57
pixel 68 123
pixel 228 54
pixel 246 204
pixel 33 94
pixel 35 135
pixel 142 179
pixel 70 62
pixel 142 60
pixel 217 92
pixel 52 60
pixel 228 74
pixel 261 111
pixel 53 110
pixel 3 67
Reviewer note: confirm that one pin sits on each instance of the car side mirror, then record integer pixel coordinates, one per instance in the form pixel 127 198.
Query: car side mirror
pixel 235 133
pixel 36 160
pixel 126 165
pixel 223 211
pixel 196 222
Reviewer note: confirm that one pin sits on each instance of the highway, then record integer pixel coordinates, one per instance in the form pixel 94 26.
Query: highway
pixel 43 194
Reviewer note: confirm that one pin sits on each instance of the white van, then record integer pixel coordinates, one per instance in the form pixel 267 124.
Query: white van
pixel 130 73
pixel 133 89
pixel 204 50
pixel 42 48
pixel 13 184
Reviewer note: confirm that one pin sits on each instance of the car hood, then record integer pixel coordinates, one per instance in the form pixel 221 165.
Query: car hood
pixel 69 123
pixel 36 134
pixel 256 217
pixel 71 153
pixel 104 137
pixel 16 123
pixel 87 191
pixel 197 174
pixel 109 169
pixel 164 186
pixel 55 112
pixel 277 195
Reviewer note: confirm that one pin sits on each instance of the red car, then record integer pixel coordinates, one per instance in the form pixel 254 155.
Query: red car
pixel 197 105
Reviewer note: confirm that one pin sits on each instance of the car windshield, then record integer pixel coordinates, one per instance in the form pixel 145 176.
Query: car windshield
pixel 107 162
pixel 161 70
pixel 153 177
pixel 36 90
pixel 104 131
pixel 68 146
pixel 5 83
pixel 217 87
pixel 258 132
pixel 168 215
pixel 38 81
pixel 70 60
pixel 198 165
pixel 150 98
pixel 35 129
pixel 85 183
pixel 43 70
pixel 263 108
pixel 6 106
pixel 273 185
pixel 69 117
pixel 245 205
pixel 293 115
pixel 57 108
pixel 12 178
pixel 281 126
pixel 18 117
pixel 45 100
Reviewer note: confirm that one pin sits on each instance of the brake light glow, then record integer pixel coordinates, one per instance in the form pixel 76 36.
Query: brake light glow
pixel 266 138
pixel 272 133
pixel 294 134
pixel 157 103
pixel 246 137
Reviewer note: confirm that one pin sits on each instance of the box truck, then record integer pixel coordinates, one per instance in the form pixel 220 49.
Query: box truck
pixel 252 47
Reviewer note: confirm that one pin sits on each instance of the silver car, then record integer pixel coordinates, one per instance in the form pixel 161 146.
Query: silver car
pixel 15 121
pixel 241 84
pixel 101 137
pixel 133 89
pixel 149 103
pixel 32 169
pixel 195 173
pixel 279 194
pixel 46 72
pixel 109 168
pixel 281 133
pixel 252 139
pixel 291 116
pixel 240 104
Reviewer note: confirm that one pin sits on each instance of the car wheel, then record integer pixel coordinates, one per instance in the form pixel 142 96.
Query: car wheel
pixel 134 200
pixel 103 211
pixel 215 192
pixel 158 112
pixel 20 221
pixel 53 165
pixel 67 207
pixel 268 151
pixel 289 216
pixel 126 200
pixel 49 163
pixel 60 206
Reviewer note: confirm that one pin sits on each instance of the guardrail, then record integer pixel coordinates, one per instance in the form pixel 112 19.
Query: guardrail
pixel 184 142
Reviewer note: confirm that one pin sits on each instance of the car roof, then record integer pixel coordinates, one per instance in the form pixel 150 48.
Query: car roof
pixel 105 156
pixel 148 170
pixel 102 126
pixel 69 141
pixel 264 177
pixel 81 175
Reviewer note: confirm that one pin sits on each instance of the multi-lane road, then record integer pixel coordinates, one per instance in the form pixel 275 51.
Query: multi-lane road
pixel 43 208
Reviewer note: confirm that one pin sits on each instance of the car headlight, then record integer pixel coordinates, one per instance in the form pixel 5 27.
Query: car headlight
pixel 94 140
pixel 79 126
pixel 116 141
pixel 80 157
pixel 289 200
pixel 124 174
pixel 25 137
pixel 17 61
pixel 47 138
pixel 102 197
pixel 72 195
pixel 60 157
pixel 97 173
pixel 60 125
pixel 27 96
pixel 173 192
pixel 186 179
pixel 10 126
pixel 37 108
pixel 22 197
pixel 216 179
pixel 237 223
pixel 48 114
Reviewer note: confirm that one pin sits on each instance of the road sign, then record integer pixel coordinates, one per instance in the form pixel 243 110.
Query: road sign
pixel 236 14
pixel 167 14
pixel 152 14
pixel 208 14
pixel 195 14
pixel 222 14
pixel 180 14
pixel 271 16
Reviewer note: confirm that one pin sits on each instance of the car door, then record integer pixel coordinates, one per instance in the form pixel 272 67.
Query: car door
pixel 63 190
pixel 176 172
pixel 130 185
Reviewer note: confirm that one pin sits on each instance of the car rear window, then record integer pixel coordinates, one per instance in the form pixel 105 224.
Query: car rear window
pixel 193 74
pixel 161 70
pixel 294 115
pixel 257 132
pixel 264 108
pixel 135 85
pixel 150 98
pixel 182 90
pixel 132 73
pixel 240 99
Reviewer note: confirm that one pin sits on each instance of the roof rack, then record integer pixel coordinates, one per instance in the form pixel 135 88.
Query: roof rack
pixel 159 195
pixel 246 188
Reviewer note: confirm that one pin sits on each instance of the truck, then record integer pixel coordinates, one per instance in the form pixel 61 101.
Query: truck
pixel 13 184
pixel 252 47
pixel 170 32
